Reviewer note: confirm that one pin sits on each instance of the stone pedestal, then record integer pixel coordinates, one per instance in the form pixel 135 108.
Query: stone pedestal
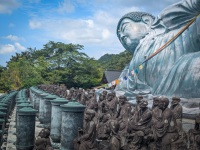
pixel 47 110
pixel 20 106
pixel 56 119
pixel 41 107
pixel 26 128
pixel 36 104
pixel 72 119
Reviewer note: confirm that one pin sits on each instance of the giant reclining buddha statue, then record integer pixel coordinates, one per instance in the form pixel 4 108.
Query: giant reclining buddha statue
pixel 166 51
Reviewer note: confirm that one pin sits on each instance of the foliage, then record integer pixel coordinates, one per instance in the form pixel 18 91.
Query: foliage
pixel 55 63
pixel 115 61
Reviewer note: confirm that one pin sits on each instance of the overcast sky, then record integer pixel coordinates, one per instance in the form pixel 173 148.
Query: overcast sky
pixel 92 23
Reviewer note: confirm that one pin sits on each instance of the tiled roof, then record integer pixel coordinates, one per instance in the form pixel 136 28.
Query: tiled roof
pixel 111 75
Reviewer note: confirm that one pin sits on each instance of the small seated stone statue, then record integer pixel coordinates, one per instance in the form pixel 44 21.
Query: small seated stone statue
pixel 139 127
pixel 103 129
pixel 177 110
pixel 123 115
pixel 165 126
pixel 112 103
pixel 43 142
pixel 114 143
pixel 86 139
pixel 194 135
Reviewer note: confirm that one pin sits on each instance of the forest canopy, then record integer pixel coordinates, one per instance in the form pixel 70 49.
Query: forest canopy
pixel 58 63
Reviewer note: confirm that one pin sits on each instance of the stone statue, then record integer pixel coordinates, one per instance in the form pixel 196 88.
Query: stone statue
pixel 112 103
pixel 139 127
pixel 177 111
pixel 87 136
pixel 155 102
pixel 123 115
pixel 114 143
pixel 173 71
pixel 194 135
pixel 91 98
pixel 165 128
pixel 103 129
pixel 43 141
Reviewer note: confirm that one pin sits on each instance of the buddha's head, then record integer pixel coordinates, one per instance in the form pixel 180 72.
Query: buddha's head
pixel 132 27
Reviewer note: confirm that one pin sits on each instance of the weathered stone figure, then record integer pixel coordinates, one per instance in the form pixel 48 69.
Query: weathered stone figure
pixel 177 111
pixel 112 103
pixel 165 125
pixel 87 136
pixel 43 142
pixel 194 135
pixel 155 102
pixel 103 127
pixel 114 143
pixel 173 71
pixel 139 127
pixel 123 115
pixel 101 103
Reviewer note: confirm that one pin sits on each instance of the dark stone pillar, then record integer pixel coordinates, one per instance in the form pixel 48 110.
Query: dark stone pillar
pixel 56 118
pixel 72 119
pixel 47 110
pixel 26 128
pixel 41 107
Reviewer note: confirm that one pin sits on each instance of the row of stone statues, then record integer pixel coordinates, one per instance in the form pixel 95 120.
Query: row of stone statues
pixel 72 94
pixel 112 123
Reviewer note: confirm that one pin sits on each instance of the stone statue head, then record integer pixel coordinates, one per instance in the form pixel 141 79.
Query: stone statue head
pixel 132 27
pixel 89 114
pixel 163 103
pixel 105 92
pixel 155 102
pixel 143 104
pixel 110 96
pixel 122 99
pixel 101 97
pixel 175 100
pixel 139 98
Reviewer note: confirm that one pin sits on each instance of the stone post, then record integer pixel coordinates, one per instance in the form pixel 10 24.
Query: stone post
pixel 20 106
pixel 36 104
pixel 72 119
pixel 47 110
pixel 56 119
pixel 26 128
pixel 41 107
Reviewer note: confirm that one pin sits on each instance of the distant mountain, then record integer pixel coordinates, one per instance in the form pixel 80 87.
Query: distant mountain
pixel 115 61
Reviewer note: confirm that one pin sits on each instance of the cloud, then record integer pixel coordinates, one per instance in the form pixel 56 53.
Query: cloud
pixel 66 7
pixel 12 37
pixel 19 47
pixel 7 6
pixel 97 29
pixel 34 24
pixel 8 48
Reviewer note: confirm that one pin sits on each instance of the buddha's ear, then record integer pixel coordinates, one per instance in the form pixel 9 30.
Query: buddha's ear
pixel 147 19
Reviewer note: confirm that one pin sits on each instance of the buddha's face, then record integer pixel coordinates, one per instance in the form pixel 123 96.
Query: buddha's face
pixel 130 33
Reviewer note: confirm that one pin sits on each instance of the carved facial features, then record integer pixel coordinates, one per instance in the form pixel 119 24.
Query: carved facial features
pixel 162 104
pixel 130 33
